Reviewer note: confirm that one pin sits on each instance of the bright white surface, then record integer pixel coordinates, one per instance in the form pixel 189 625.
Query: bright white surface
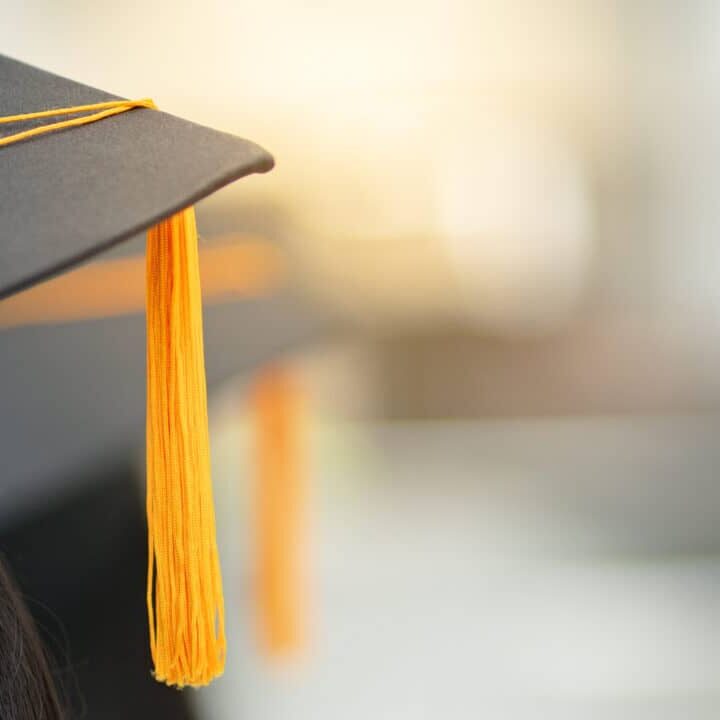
pixel 369 106
pixel 513 570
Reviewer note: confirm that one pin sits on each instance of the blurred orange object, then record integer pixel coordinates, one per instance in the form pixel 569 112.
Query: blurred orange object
pixel 280 517
pixel 228 270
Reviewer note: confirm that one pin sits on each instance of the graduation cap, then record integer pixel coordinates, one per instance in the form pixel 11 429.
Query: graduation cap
pixel 80 172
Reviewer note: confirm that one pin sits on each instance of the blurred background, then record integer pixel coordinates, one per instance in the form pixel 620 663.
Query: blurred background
pixel 508 214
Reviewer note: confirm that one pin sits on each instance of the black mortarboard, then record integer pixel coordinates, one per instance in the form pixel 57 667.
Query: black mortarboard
pixel 111 170
pixel 71 194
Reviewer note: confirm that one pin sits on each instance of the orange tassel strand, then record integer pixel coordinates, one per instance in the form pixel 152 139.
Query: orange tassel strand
pixel 184 594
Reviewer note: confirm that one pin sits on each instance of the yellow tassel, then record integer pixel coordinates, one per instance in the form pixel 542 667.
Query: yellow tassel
pixel 184 592
pixel 184 588
pixel 279 521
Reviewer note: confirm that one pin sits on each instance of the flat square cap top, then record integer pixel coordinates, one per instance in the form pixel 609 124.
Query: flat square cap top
pixel 68 195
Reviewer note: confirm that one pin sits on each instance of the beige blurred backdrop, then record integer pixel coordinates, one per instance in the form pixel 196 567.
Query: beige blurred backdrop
pixel 513 206
pixel 456 173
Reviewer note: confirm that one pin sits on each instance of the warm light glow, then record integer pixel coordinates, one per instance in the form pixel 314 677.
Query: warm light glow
pixel 514 211
pixel 361 105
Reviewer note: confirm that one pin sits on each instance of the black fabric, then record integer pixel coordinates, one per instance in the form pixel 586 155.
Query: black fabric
pixel 81 565
pixel 74 394
pixel 68 195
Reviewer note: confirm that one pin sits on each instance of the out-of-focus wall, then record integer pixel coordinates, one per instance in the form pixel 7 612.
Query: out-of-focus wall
pixel 432 156
pixel 451 167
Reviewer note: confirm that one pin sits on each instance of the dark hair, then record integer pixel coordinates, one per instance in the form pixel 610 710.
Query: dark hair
pixel 27 688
